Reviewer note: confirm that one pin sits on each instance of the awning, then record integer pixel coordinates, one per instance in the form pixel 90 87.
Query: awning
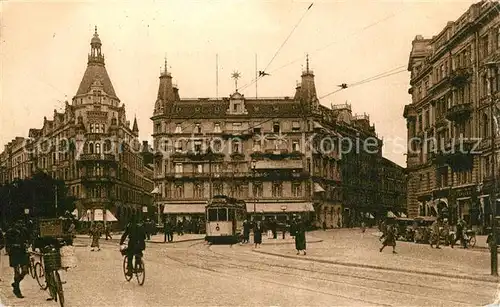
pixel 156 190
pixel 403 215
pixel 183 208
pixel 98 216
pixel 318 188
pixel 280 207
pixel 369 216
pixel 391 214
pixel 75 213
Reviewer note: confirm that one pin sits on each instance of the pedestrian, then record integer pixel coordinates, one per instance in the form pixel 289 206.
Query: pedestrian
pixel 257 234
pixel 389 238
pixel 274 228
pixel 363 226
pixel 96 233
pixel 17 241
pixel 324 225
pixel 300 236
pixel 179 228
pixel 246 231
pixel 436 235
pixel 108 232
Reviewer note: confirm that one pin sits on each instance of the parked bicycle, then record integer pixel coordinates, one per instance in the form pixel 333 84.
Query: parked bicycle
pixel 52 261
pixel 37 270
pixel 138 267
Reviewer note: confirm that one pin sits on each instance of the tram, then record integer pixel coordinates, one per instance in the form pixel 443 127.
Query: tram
pixel 224 216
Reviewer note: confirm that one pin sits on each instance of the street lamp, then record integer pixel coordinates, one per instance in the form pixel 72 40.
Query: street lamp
pixel 492 72
pixel 155 194
pixel 283 208
pixel 254 166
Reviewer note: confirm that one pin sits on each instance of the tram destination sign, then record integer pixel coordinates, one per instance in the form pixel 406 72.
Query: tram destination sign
pixel 51 228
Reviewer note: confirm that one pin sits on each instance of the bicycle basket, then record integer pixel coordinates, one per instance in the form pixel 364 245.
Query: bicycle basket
pixel 52 260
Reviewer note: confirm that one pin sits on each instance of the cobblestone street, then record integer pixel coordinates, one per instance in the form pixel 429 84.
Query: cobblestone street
pixel 192 273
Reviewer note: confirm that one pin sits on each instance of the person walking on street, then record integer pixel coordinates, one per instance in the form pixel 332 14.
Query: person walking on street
pixel 107 230
pixel 436 235
pixel 300 236
pixel 96 233
pixel 179 228
pixel 389 238
pixel 168 231
pixel 274 228
pixel 246 231
pixel 257 234
pixel 363 226
pixel 16 241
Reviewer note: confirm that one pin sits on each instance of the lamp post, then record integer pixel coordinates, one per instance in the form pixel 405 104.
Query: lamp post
pixel 492 72
pixel 254 165
pixel 155 194
pixel 283 208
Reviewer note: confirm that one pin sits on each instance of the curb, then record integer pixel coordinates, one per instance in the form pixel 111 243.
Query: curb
pixel 188 240
pixel 375 267
pixel 291 243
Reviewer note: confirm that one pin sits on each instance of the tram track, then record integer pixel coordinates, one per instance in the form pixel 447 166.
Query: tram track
pixel 354 276
pixel 270 268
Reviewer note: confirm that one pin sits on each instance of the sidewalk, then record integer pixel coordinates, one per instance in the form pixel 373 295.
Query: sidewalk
pixel 158 238
pixel 362 250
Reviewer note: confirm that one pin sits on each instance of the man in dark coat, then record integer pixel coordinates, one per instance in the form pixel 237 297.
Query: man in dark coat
pixel 136 243
pixel 246 231
pixel 168 230
pixel 16 240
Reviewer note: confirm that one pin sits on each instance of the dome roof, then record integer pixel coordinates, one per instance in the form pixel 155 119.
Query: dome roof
pixel 95 39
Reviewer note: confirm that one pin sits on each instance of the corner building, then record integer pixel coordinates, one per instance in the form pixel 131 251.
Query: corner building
pixel 90 146
pixel 451 95
pixel 266 151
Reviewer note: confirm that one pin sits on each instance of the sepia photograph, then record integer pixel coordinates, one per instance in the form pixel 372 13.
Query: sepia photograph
pixel 249 153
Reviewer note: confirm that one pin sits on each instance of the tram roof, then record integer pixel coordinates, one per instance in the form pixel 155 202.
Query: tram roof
pixel 226 201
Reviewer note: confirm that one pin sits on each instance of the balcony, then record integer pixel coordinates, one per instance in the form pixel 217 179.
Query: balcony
pixel 459 112
pixel 460 76
pixel 237 134
pixel 276 154
pixel 441 122
pixel 97 179
pixel 97 157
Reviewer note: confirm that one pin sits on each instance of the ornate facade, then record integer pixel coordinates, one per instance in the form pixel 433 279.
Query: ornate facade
pixel 90 146
pixel 449 154
pixel 281 155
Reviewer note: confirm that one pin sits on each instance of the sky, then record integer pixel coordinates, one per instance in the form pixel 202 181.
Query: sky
pixel 44 47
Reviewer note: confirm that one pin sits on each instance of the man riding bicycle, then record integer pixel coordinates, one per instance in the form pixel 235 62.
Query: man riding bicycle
pixel 136 243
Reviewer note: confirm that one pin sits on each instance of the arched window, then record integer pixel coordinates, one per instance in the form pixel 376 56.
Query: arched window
pixel 102 128
pixel 486 126
pixel 92 128
pixel 91 148
pixel 98 148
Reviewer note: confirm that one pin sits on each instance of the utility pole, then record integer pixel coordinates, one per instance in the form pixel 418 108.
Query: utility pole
pixel 56 198
pixel 492 70
pixel 254 164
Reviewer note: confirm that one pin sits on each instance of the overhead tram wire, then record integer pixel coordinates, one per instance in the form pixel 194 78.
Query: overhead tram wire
pixel 279 49
pixel 374 78
pixel 331 43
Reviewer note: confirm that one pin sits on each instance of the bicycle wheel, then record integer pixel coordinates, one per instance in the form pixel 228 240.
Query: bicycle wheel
pixel 32 268
pixel 40 276
pixel 127 278
pixel 58 288
pixel 472 241
pixel 140 272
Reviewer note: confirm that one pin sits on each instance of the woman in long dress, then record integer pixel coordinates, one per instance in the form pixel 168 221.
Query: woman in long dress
pixel 257 234
pixel 300 237
pixel 96 233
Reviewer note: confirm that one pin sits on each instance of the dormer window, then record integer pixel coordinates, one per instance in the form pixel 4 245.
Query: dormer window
pixel 217 128
pixel 92 130
pixel 236 107
pixel 97 96
pixel 178 128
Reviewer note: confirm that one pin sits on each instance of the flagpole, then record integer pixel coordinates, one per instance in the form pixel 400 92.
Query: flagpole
pixel 217 76
pixel 256 76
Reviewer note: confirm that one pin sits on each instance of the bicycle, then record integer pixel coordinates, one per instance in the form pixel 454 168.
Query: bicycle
pixel 139 268
pixel 38 270
pixel 52 260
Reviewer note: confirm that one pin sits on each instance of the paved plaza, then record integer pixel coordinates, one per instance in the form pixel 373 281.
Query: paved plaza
pixel 342 267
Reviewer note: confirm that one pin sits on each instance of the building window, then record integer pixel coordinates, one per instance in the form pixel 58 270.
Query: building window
pixel 217 146
pixel 277 189
pixel 218 188
pixel 236 107
pixel 178 168
pixel 198 190
pixel 295 126
pixel 197 128
pixel 178 128
pixel 257 130
pixel 179 190
pixel 217 128
pixel 158 127
pixel 92 128
pixel 98 148
pixel 256 146
pixel 258 189
pixel 296 189
pixel 276 127
pixel 295 146
pixel 236 126
pixel 97 97
pixel 236 147
pixel 178 147
pixel 197 146
pixel 199 168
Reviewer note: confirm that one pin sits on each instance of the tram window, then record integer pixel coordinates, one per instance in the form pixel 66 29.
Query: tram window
pixel 222 214
pixel 212 215
pixel 231 214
